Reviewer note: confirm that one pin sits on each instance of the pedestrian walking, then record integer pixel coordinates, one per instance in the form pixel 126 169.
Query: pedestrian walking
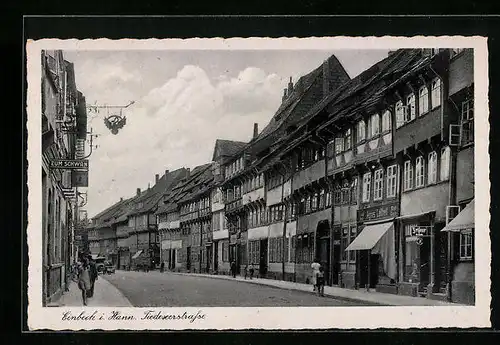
pixel 251 269
pixel 246 271
pixel 162 266
pixel 315 269
pixel 84 279
pixel 320 282
pixel 233 269
pixel 93 276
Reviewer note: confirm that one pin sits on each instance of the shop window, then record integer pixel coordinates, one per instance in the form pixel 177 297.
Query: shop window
pixel 411 112
pixel 344 243
pixel 436 93
pixel 466 245
pixel 423 100
pixel 400 114
pixel 367 181
pixel 374 125
pixel 408 176
pixel 386 121
pixel 353 232
pixel 467 122
pixel 378 184
pixel 412 255
pixel 361 130
pixel 444 171
pixel 419 171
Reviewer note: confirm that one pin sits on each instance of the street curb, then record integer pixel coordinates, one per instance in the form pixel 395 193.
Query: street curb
pixel 119 293
pixel 341 298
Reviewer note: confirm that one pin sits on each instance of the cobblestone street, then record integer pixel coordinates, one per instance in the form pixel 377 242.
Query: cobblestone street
pixel 155 289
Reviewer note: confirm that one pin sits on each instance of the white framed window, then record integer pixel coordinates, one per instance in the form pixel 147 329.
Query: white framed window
pixel 410 103
pixel 400 114
pixel 408 176
pixel 361 130
pixel 386 121
pixel 419 171
pixel 378 184
pixel 367 181
pixel 467 122
pixel 392 181
pixel 423 100
pixel 374 125
pixel 432 168
pixel 348 137
pixel 339 145
pixel 444 169
pixel 436 93
pixel 466 245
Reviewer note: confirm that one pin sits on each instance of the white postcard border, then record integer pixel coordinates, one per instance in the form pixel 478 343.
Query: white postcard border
pixel 277 317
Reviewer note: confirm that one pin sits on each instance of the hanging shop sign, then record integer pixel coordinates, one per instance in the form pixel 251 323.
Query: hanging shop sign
pixel 69 164
pixel 80 178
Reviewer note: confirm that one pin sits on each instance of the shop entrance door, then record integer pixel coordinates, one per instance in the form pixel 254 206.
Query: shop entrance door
pixel 188 258
pixel 263 258
pixel 368 268
pixel 425 253
pixel 172 258
pixel 209 258
pixel 216 256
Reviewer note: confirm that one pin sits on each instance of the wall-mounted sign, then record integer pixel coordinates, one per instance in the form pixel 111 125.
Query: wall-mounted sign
pixel 378 212
pixel 80 178
pixel 69 164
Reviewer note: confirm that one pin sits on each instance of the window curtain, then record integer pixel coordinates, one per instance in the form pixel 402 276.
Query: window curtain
pixel 385 247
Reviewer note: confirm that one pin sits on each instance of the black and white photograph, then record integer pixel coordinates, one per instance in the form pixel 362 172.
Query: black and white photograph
pixel 184 185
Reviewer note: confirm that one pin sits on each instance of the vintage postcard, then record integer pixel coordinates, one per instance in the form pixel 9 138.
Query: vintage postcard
pixel 258 183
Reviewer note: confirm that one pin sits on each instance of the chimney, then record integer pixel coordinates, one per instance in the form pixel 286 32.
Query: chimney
pixel 290 87
pixel 255 130
pixel 157 178
pixel 326 78
pixel 149 185
pixel 188 172
pixel 138 192
pixel 121 199
pixel 284 95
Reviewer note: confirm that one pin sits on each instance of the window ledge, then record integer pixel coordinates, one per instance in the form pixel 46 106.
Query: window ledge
pixel 465 146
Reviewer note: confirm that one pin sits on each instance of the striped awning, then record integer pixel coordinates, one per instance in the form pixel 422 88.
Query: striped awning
pixel 370 236
pixel 464 220
pixel 136 255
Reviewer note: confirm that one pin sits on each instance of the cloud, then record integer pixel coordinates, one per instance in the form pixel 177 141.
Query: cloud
pixel 175 125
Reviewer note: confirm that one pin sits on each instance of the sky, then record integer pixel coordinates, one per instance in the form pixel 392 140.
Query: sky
pixel 184 101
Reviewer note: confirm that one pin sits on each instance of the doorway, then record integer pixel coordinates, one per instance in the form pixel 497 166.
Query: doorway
pixel 368 268
pixel 425 253
pixel 172 258
pixel 216 256
pixel 188 258
pixel 263 258
pixel 209 257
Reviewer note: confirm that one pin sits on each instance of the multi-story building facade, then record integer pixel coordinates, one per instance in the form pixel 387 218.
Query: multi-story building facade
pixel 63 124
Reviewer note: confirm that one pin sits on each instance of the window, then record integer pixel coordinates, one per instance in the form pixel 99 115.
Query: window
pixel 410 103
pixel 419 171
pixel 354 190
pixel 367 180
pixel 466 245
pixel 346 193
pixel 444 171
pixel 386 121
pixel 436 93
pixel 321 201
pixel 314 205
pixel 339 145
pixel 408 176
pixel 392 181
pixel 400 114
pixel 361 130
pixel 337 196
pixel 348 137
pixel 432 168
pixel 374 125
pixel 328 198
pixel 423 100
pixel 378 184
pixel 344 242
pixel 467 122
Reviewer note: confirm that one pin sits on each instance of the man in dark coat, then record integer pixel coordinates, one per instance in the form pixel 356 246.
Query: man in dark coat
pixel 93 276
pixel 233 269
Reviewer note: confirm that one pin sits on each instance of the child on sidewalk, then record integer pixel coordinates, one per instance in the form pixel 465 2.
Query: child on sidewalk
pixel 320 281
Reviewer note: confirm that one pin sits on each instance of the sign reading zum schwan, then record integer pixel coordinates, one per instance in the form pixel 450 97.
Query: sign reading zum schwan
pixel 69 164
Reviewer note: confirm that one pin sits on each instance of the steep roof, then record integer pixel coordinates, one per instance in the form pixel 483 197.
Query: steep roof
pixel 227 148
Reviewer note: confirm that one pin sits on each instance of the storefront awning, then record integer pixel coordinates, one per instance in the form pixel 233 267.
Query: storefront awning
pixel 369 237
pixel 136 255
pixel 464 220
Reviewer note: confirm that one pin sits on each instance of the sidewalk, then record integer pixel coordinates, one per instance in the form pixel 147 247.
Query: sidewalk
pixel 372 297
pixel 105 295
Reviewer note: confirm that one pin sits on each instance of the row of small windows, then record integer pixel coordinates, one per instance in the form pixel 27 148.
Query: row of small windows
pixel 255 182
pixel 392 184
pixel 417 175
pixel 197 205
pixel 235 167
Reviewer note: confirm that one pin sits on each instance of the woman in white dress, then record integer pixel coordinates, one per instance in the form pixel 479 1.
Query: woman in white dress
pixel 315 270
